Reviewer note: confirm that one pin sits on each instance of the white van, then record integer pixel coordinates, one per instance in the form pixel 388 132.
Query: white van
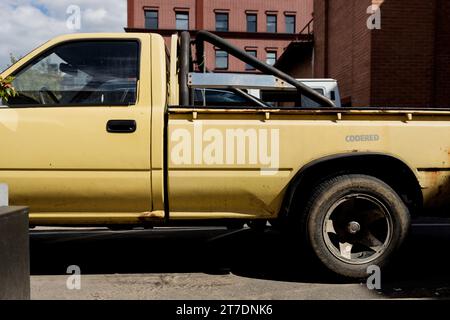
pixel 277 98
pixel 326 87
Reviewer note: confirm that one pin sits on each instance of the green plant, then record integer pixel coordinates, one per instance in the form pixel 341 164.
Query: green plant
pixel 7 89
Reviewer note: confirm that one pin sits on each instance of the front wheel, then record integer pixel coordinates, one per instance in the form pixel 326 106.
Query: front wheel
pixel 353 222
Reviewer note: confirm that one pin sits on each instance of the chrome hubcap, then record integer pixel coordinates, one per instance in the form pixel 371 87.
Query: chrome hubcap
pixel 357 229
pixel 353 227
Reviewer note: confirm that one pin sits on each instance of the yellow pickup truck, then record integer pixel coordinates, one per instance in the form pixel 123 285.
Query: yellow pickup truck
pixel 116 129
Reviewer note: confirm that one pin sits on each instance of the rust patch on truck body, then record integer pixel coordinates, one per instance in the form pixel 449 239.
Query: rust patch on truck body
pixel 436 191
pixel 151 216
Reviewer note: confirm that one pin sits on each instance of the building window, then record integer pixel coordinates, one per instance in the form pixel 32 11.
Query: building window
pixel 271 57
pixel 290 24
pixel 151 19
pixel 221 21
pixel 182 20
pixel 271 23
pixel 221 59
pixel 252 22
pixel 252 53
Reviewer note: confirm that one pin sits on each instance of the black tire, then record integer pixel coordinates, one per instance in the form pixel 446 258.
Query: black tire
pixel 354 221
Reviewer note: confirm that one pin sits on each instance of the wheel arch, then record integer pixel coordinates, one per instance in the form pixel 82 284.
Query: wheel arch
pixel 387 168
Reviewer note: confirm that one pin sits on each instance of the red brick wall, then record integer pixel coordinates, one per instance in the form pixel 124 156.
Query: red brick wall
pixel 361 54
pixel 339 47
pixel 405 64
pixel 403 54
pixel 202 16
pixel 261 46
pixel 237 8
pixel 320 39
pixel 343 46
pixel 442 58
pixel 166 11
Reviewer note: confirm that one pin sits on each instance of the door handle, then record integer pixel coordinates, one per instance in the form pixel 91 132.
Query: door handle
pixel 121 126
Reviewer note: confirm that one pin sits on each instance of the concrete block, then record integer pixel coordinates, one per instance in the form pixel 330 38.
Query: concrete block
pixel 3 194
pixel 14 253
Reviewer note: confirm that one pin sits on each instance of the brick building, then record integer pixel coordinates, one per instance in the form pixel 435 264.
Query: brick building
pixel 262 28
pixel 406 63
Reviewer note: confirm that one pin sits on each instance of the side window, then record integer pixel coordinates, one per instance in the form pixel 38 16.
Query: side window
pixel 221 60
pixel 290 24
pixel 271 23
pixel 271 58
pixel 182 20
pixel 253 53
pixel 91 73
pixel 221 21
pixel 151 19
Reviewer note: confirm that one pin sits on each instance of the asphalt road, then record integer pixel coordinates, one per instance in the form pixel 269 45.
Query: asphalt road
pixel 214 263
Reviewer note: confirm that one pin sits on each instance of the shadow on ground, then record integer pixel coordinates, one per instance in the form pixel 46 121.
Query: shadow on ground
pixel 421 269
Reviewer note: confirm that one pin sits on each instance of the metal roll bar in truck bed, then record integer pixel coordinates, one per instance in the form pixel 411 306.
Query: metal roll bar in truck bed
pixel 188 81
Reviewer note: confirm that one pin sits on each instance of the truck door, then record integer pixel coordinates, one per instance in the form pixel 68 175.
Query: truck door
pixel 222 165
pixel 76 138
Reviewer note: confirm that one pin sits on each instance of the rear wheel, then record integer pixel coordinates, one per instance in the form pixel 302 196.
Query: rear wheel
pixel 354 221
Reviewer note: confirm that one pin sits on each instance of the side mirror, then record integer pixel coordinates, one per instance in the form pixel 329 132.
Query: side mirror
pixel 68 68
